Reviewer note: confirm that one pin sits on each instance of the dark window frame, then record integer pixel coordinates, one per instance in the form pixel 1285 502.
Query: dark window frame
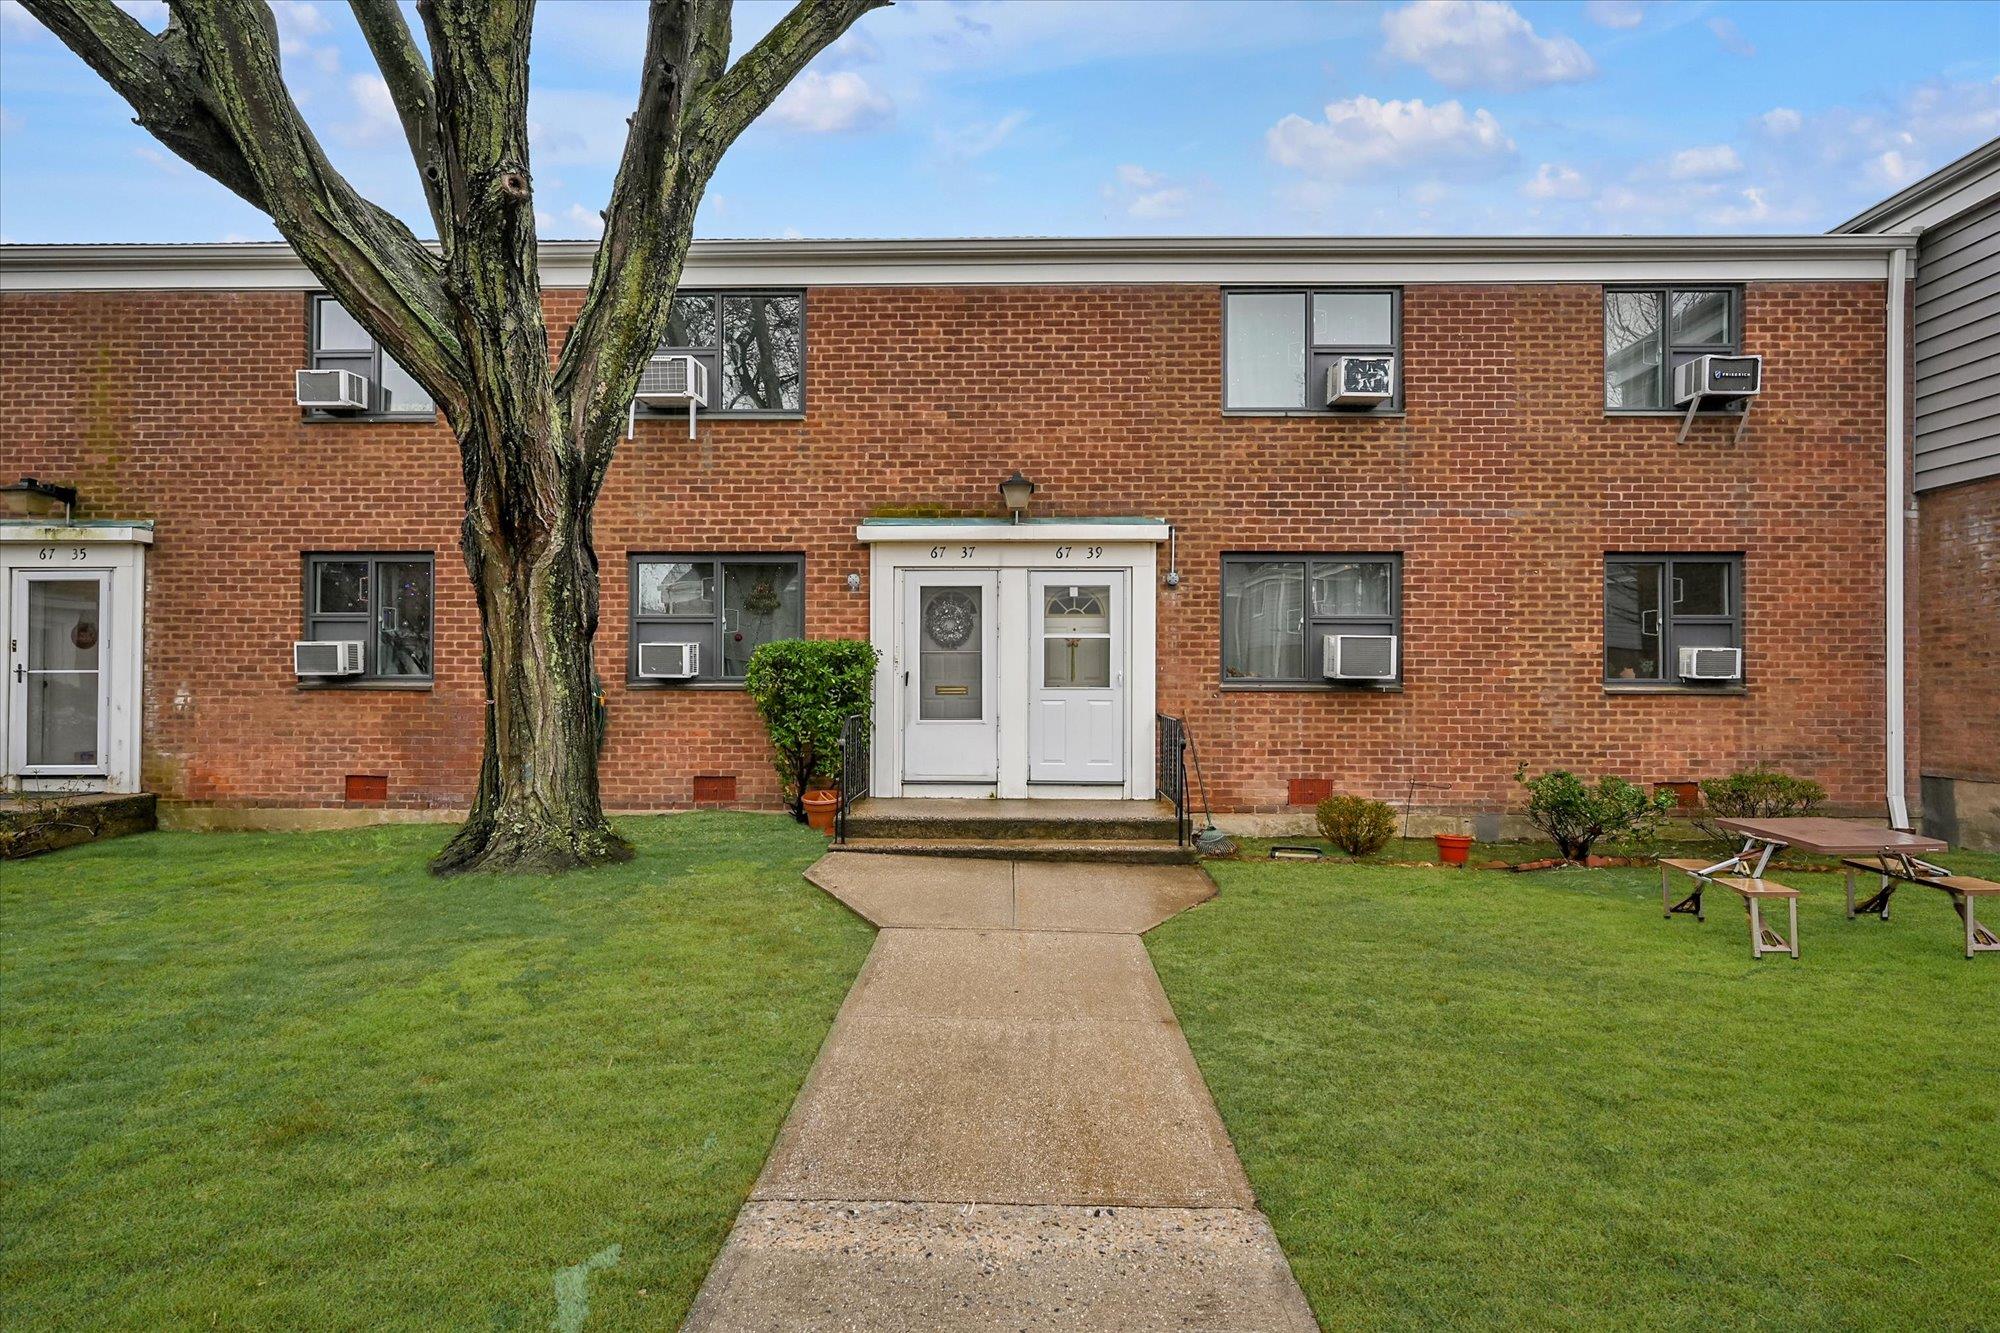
pixel 1311 680
pixel 364 621
pixel 316 355
pixel 1671 352
pixel 1670 620
pixel 712 354
pixel 1319 355
pixel 714 621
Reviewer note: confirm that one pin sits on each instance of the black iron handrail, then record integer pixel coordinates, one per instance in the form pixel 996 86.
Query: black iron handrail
pixel 1172 775
pixel 853 769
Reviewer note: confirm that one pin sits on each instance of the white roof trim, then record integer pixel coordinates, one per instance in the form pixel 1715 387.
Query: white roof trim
pixel 947 532
pixel 1077 261
pixel 1938 197
pixel 56 532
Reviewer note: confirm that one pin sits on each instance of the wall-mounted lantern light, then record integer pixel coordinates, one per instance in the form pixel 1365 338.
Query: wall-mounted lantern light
pixel 1015 492
pixel 28 498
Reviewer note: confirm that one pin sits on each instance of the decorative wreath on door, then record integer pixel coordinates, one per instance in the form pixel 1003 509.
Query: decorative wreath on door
pixel 949 618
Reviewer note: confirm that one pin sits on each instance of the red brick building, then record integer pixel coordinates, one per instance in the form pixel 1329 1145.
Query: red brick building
pixel 1509 558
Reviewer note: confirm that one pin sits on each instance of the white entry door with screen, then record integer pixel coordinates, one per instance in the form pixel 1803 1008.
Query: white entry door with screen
pixel 946 655
pixel 1076 730
pixel 60 712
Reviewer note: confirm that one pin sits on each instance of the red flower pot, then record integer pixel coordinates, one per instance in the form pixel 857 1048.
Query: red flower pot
pixel 820 805
pixel 1452 847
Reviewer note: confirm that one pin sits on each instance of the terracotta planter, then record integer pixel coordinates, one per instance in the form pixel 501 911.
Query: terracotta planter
pixel 1452 847
pixel 820 804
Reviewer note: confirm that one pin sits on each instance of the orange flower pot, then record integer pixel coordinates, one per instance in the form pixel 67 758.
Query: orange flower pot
pixel 1452 847
pixel 820 806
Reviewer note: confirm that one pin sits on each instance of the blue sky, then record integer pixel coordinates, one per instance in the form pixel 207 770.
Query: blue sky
pixel 1032 117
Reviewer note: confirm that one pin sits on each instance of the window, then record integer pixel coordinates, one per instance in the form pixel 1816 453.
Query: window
pixel 1278 610
pixel 727 604
pixel 382 600
pixel 338 342
pixel 753 343
pixel 1655 605
pixel 1648 331
pixel 1279 345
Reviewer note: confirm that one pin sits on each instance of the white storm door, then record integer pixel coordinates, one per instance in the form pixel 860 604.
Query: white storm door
pixel 946 642
pixel 60 710
pixel 1076 701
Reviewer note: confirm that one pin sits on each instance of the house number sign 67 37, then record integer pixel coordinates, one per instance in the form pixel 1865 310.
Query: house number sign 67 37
pixel 964 552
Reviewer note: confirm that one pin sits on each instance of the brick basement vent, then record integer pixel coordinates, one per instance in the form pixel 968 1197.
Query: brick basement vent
pixel 367 786
pixel 714 788
pixel 1309 791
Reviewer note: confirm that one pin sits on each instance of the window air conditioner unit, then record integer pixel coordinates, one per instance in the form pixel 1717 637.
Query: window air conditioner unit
pixel 1360 381
pixel 327 657
pixel 332 390
pixel 669 661
pixel 1360 657
pixel 668 381
pixel 1711 663
pixel 1717 378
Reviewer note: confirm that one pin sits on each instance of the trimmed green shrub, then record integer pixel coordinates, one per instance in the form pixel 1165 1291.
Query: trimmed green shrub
pixel 1575 814
pixel 804 689
pixel 1355 824
pixel 1761 792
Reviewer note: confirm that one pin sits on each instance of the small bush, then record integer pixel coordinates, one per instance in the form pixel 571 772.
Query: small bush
pixel 1355 824
pixel 1762 792
pixel 804 689
pixel 1575 814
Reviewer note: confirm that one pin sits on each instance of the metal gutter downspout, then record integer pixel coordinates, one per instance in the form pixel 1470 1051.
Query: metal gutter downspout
pixel 1895 536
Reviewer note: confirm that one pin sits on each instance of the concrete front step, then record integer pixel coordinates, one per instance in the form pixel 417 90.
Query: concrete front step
pixel 1124 851
pixel 957 819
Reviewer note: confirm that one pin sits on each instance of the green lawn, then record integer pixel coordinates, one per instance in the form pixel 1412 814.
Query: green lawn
pixel 291 1081
pixel 1491 1099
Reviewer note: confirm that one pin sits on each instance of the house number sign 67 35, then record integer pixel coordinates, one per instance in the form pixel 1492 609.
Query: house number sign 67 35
pixel 49 553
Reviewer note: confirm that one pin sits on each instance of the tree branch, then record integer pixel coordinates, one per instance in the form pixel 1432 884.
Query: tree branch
pixel 409 80
pixel 738 97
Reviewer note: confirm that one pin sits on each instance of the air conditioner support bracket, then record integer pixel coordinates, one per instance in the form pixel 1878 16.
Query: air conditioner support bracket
pixel 1694 405
pixel 632 419
pixel 1742 424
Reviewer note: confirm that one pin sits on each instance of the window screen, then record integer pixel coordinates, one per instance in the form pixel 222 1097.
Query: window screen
pixel 729 605
pixel 1279 610
pixel 383 601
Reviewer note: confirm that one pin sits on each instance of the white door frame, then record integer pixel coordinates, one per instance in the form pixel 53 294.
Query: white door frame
pixel 21 676
pixel 1012 551
pixel 968 752
pixel 1041 696
pixel 115 553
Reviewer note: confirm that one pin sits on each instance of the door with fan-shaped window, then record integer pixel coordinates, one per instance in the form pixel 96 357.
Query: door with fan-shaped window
pixel 1076 703
pixel 946 656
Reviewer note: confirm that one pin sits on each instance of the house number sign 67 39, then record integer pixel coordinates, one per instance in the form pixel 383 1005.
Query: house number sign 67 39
pixel 1089 552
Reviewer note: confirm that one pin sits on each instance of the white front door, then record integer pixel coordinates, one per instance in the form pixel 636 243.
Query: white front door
pixel 57 660
pixel 945 652
pixel 1076 703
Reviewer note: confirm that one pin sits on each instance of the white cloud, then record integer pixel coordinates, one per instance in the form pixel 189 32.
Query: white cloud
pixel 1704 163
pixel 1482 44
pixel 18 22
pixel 1731 38
pixel 151 14
pixel 1749 210
pixel 579 221
pixel 834 103
pixel 300 28
pixel 1554 181
pixel 1144 194
pixel 979 138
pixel 375 121
pixel 1615 13
pixel 1361 134
pixel 1780 120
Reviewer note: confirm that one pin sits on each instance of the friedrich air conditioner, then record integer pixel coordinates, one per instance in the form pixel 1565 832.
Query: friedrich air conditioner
pixel 669 661
pixel 1360 381
pixel 1711 663
pixel 1714 379
pixel 1360 657
pixel 327 657
pixel 671 380
pixel 332 390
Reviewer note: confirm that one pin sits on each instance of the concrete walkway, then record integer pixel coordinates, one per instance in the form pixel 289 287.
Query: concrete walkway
pixel 1005 1127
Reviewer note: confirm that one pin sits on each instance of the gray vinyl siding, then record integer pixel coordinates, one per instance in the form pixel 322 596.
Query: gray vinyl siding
pixel 1957 389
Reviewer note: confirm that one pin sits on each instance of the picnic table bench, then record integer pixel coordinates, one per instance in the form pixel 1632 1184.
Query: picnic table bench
pixel 1965 892
pixel 1755 892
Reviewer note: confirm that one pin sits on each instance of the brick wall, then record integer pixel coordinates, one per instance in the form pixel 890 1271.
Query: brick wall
pixel 1503 487
pixel 1958 609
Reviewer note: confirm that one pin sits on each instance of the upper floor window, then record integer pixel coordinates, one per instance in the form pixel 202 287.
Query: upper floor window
pixel 727 605
pixel 1657 605
pixel 338 342
pixel 1650 330
pixel 1279 345
pixel 1279 610
pixel 382 600
pixel 754 344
